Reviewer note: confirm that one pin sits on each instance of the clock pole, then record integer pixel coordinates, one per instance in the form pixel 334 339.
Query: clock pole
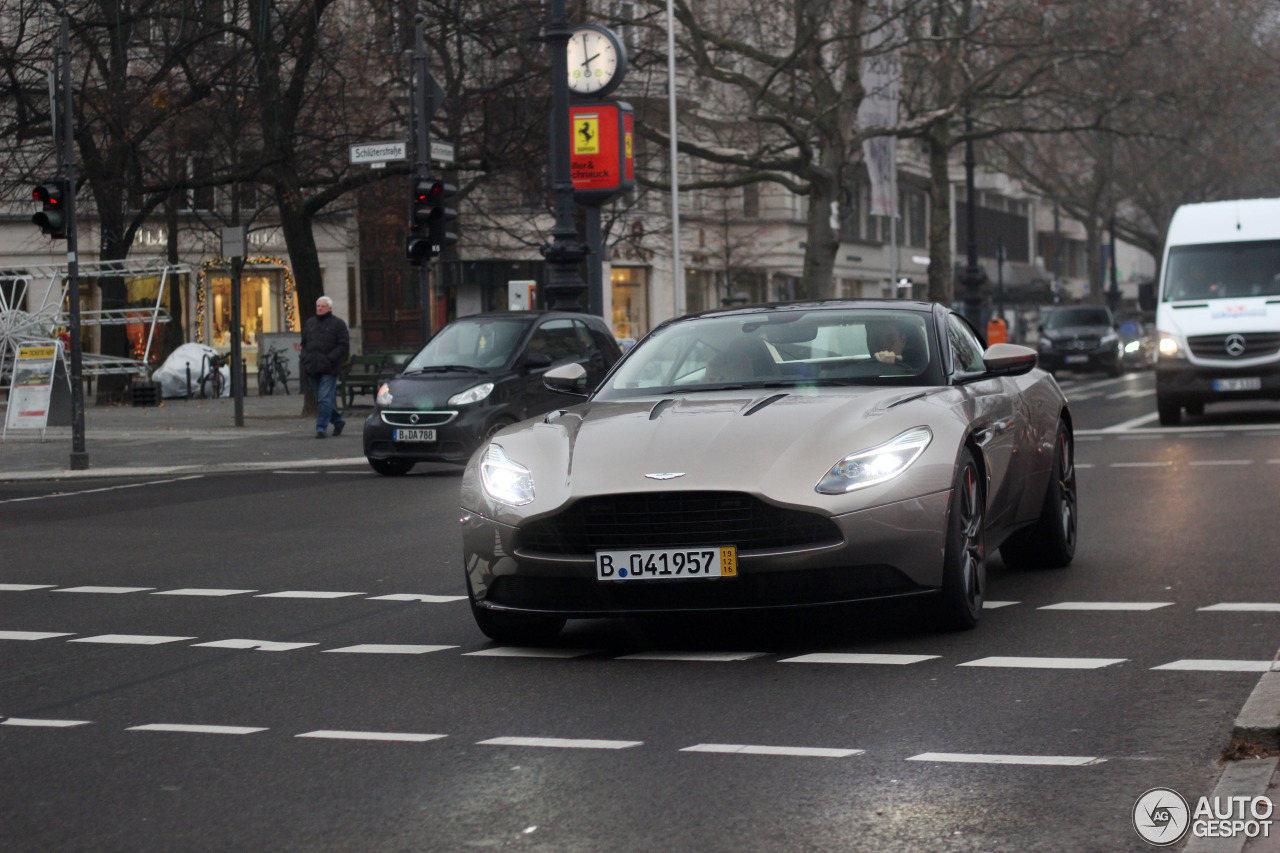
pixel 566 252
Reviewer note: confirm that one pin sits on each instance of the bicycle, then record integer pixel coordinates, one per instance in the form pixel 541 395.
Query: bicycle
pixel 211 379
pixel 273 369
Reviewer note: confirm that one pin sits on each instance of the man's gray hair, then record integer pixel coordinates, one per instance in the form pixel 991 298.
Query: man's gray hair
pixel 326 300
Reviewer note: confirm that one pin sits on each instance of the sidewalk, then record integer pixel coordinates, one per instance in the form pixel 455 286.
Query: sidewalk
pixel 183 436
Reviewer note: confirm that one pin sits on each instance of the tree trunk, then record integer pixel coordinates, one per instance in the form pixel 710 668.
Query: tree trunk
pixel 299 239
pixel 821 243
pixel 1093 257
pixel 941 268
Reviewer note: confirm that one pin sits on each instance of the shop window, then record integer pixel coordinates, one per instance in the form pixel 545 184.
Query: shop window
pixel 630 302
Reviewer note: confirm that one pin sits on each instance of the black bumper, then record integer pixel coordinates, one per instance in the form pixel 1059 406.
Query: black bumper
pixel 1082 361
pixel 455 441
pixel 1180 382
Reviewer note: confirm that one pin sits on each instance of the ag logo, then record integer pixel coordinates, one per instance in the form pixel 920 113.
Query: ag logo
pixel 1161 817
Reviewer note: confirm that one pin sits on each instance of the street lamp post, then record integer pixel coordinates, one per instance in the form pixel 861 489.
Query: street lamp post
pixel 973 277
pixel 566 252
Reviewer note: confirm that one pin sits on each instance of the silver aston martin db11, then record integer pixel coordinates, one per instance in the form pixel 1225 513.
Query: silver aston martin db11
pixel 775 456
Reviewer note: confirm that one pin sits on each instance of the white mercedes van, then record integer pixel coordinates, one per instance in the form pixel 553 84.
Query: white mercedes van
pixel 1218 316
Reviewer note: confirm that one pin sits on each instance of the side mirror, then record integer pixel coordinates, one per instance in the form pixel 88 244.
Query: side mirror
pixel 1009 360
pixel 567 379
pixel 535 361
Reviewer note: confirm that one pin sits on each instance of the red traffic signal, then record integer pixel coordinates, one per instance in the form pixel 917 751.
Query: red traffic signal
pixel 432 220
pixel 52 219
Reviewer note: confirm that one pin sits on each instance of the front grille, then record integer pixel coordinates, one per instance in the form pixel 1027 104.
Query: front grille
pixel 675 520
pixel 1215 346
pixel 1084 343
pixel 417 419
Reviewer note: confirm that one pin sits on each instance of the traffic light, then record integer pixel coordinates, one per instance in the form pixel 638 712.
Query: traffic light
pixel 432 218
pixel 52 219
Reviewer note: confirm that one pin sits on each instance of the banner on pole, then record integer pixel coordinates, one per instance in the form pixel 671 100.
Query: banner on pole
pixel 881 74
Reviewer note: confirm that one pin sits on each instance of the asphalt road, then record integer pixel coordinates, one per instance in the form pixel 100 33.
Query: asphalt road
pixel 377 717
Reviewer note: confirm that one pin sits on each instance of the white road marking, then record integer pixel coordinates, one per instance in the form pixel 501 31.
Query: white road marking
pixel 1158 430
pixel 993 605
pixel 1045 663
pixel 109 590
pixel 1145 436
pixel 23 587
pixel 131 639
pixel 1133 392
pixel 692 656
pixel 1085 465
pixel 1243 607
pixel 301 593
pixel 747 749
pixel 1131 423
pixel 202 730
pixel 103 489
pixel 387 649
pixel 836 657
pixel 1273 461
pixel 979 758
pixel 521 652
pixel 1107 605
pixel 1217 665
pixel 54 724
pixel 1076 398
pixel 413 596
pixel 564 743
pixel 1221 462
pixel 1141 464
pixel 390 736
pixel 260 645
pixel 210 592
pixel 33 635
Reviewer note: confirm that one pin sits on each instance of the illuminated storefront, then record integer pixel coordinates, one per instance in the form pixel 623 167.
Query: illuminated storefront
pixel 262 310
pixel 630 302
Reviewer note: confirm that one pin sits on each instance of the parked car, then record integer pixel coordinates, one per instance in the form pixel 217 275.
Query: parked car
pixel 1080 337
pixel 476 376
pixel 772 457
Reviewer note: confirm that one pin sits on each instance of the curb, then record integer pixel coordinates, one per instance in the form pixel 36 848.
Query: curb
pixel 1248 778
pixel 165 471
pixel 1259 720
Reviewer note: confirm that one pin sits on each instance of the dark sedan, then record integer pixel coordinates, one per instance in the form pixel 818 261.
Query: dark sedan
pixel 1082 337
pixel 479 374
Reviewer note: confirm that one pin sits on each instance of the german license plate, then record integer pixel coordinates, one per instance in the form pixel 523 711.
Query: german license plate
pixel 1076 359
pixel 1245 383
pixel 667 564
pixel 413 435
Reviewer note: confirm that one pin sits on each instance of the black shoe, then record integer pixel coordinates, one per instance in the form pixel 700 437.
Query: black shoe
pixel 337 428
pixel 319 433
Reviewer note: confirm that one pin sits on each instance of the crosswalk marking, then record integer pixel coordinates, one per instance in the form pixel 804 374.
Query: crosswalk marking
pixel 1217 666
pixel 1201 462
pixel 563 743
pixel 50 724
pixel 1243 607
pixel 692 656
pixel 302 593
pixel 1045 663
pixel 1107 605
pixel 994 605
pixel 748 749
pixel 131 639
pixel 410 596
pixel 208 592
pixel 979 758
pixel 388 736
pixel 836 657
pixel 24 587
pixel 388 649
pixel 259 645
pixel 204 730
pixel 108 590
pixel 33 635
pixel 530 652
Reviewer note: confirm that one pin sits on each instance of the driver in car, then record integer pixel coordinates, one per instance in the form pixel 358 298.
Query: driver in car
pixel 886 341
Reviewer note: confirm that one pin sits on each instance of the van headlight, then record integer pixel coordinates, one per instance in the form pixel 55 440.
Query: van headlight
pixel 1169 347
pixel 876 464
pixel 384 396
pixel 505 480
pixel 472 395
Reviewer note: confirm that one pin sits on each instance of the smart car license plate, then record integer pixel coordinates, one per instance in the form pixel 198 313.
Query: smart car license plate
pixel 1245 383
pixel 413 435
pixel 1076 359
pixel 667 564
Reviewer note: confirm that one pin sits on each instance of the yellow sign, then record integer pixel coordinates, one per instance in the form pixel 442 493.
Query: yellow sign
pixel 628 137
pixel 728 562
pixel 37 352
pixel 586 134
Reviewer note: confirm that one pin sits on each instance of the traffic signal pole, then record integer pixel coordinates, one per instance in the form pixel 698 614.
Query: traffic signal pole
pixel 66 150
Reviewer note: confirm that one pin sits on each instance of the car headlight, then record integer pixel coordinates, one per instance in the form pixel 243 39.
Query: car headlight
pixel 505 480
pixel 1133 346
pixel 384 395
pixel 1045 344
pixel 876 465
pixel 1169 347
pixel 472 395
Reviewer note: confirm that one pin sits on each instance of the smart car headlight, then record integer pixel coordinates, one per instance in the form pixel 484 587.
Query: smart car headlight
pixel 505 480
pixel 473 394
pixel 877 464
pixel 384 395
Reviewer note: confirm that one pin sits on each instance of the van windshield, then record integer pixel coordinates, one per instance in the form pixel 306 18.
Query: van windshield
pixel 1223 271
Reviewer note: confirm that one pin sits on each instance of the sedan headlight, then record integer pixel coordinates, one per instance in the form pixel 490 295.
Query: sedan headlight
pixel 1133 346
pixel 876 465
pixel 472 395
pixel 384 395
pixel 1169 346
pixel 505 480
pixel 1045 344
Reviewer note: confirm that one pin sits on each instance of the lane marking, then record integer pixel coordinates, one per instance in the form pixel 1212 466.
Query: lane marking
pixel 563 743
pixel 1133 392
pixel 1146 436
pixel 1221 462
pixel 301 593
pixel 1045 663
pixel 259 645
pixel 53 724
pixel 1107 605
pixel 34 635
pixel 1085 465
pixel 201 730
pixel 1273 461
pixel 131 639
pixel 1217 666
pixel 521 652
pixel 1242 607
pixel 748 749
pixel 413 596
pixel 1141 464
pixel 836 657
pixel 103 489
pixel 199 591
pixel 994 605
pixel 1178 430
pixel 388 736
pixel 1130 424
pixel 387 649
pixel 979 758
pixel 713 657
pixel 24 587
pixel 106 590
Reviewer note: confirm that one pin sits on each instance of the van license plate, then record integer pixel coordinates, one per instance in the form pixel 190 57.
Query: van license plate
pixel 414 435
pixel 1246 383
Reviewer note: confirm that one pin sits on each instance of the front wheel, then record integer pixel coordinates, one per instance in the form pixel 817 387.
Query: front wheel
pixel 515 628
pixel 958 604
pixel 1051 541
pixel 390 467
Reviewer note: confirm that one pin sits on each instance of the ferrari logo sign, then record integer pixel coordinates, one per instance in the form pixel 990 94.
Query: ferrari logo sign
pixel 586 134
pixel 600 153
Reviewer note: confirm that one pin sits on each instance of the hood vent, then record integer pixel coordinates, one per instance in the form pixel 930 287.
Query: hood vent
pixel 660 407
pixel 765 402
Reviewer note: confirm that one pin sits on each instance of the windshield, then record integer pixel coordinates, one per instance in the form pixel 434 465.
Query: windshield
pixel 779 349
pixel 481 344
pixel 1223 271
pixel 1067 317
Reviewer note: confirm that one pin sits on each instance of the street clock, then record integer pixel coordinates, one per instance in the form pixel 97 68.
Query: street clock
pixel 597 60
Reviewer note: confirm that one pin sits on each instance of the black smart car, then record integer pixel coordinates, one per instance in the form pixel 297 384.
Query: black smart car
pixel 477 375
pixel 1082 337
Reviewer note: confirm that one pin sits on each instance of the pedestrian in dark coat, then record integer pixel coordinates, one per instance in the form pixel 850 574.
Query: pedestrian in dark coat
pixel 325 344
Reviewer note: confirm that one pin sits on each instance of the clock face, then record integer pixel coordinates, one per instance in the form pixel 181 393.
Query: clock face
pixel 595 60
